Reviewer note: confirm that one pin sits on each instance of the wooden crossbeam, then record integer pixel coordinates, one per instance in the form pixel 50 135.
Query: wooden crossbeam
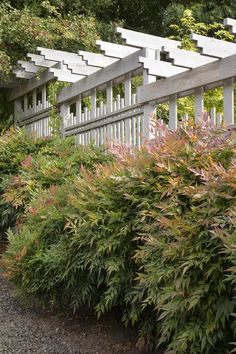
pixel 230 24
pixel 58 55
pixel 213 47
pixel 82 69
pixel 30 85
pixel 28 66
pixel 40 61
pixel 101 77
pixel 160 68
pixel 206 75
pixel 22 74
pixel 65 75
pixel 186 58
pixel 142 40
pixel 97 60
pixel 115 50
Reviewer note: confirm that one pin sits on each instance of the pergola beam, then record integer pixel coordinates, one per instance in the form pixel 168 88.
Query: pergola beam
pixel 39 60
pixel 65 75
pixel 22 74
pixel 213 47
pixel 115 50
pixel 142 40
pixel 101 77
pixel 186 58
pixel 58 55
pixel 160 68
pixel 209 74
pixel 30 85
pixel 230 24
pixel 97 60
pixel 81 69
pixel 28 66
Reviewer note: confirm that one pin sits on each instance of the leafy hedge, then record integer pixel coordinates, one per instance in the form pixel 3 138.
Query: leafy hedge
pixel 29 166
pixel 152 233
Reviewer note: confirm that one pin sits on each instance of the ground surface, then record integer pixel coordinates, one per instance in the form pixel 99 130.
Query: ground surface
pixel 25 330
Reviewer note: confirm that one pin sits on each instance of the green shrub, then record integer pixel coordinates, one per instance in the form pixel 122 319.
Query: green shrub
pixel 29 165
pixel 15 146
pixel 152 233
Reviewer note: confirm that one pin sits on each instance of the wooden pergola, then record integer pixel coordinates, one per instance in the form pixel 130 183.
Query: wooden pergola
pixel 168 72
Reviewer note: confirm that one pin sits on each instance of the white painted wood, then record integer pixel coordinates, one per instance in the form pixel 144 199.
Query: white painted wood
pixel 214 47
pixel 22 74
pixel 39 60
pixel 173 112
pixel 231 24
pixel 29 85
pixel 142 40
pixel 199 103
pixel 134 131
pixel 101 77
pixel 186 58
pixel 122 132
pixel 138 131
pixel 118 102
pixel 97 60
pixel 161 68
pixel 85 114
pixel 81 68
pixel 148 116
pixel 78 109
pixel 128 91
pixel 212 73
pixel 57 55
pixel 65 75
pixel 28 67
pixel 128 131
pixel 149 54
pixel 134 98
pixel 101 108
pixel 109 94
pixel 94 103
pixel 109 133
pixel 213 115
pixel 44 96
pixel 122 103
pixel 115 50
pixel 229 101
pixel 219 119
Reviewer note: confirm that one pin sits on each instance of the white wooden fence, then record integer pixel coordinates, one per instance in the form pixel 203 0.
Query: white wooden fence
pixel 103 102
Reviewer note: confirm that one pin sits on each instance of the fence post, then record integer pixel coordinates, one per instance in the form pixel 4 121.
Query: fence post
pixel 78 109
pixel 44 96
pixel 199 103
pixel 34 94
pixel 109 93
pixel 64 113
pixel 149 109
pixel 173 112
pixel 94 103
pixel 229 101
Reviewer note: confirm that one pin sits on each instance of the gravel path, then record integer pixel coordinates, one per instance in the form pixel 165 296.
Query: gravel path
pixel 29 331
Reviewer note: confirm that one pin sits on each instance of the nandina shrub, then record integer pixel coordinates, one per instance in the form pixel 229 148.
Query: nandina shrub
pixel 153 232
pixel 30 165
pixel 56 162
pixel 76 244
pixel 15 146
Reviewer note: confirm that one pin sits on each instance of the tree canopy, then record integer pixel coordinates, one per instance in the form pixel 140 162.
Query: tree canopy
pixel 66 25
